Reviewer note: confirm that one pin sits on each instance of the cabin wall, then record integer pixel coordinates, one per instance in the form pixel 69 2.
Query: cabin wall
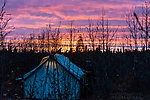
pixel 51 81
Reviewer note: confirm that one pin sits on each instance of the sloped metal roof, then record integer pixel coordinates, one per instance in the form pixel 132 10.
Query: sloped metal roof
pixel 68 65
pixel 63 61
pixel 33 70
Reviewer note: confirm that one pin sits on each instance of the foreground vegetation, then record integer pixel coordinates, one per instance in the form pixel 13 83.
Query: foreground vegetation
pixel 110 75
pixel 13 65
pixel 116 76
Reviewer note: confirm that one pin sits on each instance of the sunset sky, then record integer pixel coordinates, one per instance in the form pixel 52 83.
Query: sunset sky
pixel 33 15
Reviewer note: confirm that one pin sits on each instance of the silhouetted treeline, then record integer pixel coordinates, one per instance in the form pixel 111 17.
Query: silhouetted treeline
pixel 110 75
pixel 14 65
pixel 115 75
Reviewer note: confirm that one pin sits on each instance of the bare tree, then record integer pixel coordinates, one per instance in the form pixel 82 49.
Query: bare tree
pixel 71 33
pixel 47 31
pixel 100 29
pixel 56 37
pixel 5 29
pixel 141 38
pixel 24 44
pixel 110 33
pixel 132 27
pixel 92 34
pixel 42 41
pixel 31 43
pixel 144 21
pixel 115 42
pixel 128 39
pixel 103 29
pixel 104 32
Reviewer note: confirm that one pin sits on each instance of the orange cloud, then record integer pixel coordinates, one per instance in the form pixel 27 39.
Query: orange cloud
pixel 30 26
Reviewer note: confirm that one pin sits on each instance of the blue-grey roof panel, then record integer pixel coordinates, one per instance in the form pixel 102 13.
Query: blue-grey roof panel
pixel 71 67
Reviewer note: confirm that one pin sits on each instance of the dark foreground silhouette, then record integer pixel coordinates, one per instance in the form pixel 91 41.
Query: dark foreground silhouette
pixel 111 76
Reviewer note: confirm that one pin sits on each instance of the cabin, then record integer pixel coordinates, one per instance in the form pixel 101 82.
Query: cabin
pixel 55 78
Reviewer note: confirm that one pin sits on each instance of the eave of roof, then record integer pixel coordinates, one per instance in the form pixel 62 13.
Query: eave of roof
pixel 63 61
pixel 33 70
